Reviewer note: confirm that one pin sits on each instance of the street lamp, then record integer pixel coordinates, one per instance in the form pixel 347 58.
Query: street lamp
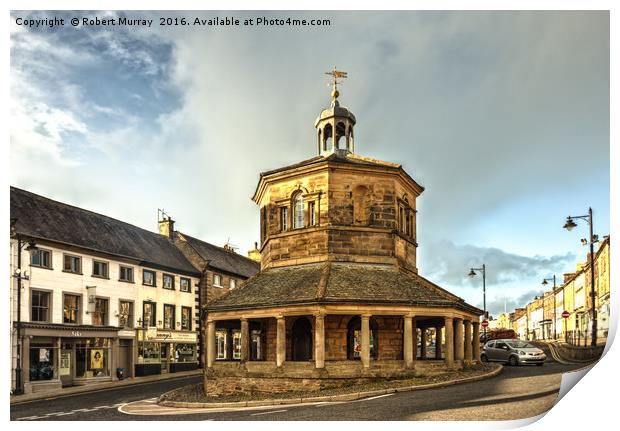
pixel 570 225
pixel 545 282
pixel 472 274
pixel 28 245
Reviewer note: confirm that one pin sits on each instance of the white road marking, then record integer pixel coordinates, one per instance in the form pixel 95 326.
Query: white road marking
pixel 373 398
pixel 268 413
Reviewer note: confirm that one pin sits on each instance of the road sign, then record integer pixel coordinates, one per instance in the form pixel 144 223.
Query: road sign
pixel 565 314
pixel 484 323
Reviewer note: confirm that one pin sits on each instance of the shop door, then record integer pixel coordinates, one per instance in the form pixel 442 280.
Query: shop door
pixel 65 364
pixel 124 357
pixel 164 357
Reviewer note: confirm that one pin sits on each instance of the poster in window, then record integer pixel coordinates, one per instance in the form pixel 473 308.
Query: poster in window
pixel 96 359
pixel 44 355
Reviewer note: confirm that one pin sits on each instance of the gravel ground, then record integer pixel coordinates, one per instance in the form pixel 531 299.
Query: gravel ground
pixel 194 393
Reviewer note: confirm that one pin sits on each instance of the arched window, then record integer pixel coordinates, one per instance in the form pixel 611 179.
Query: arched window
pixel 298 211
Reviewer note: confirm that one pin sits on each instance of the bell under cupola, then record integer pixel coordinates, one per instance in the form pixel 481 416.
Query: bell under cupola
pixel 334 125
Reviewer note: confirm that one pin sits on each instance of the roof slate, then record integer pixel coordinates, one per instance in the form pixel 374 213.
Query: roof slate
pixel 223 260
pixel 39 217
pixel 337 283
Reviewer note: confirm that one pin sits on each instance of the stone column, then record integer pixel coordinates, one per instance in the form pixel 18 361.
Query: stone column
pixel 365 340
pixel 459 354
pixel 423 340
pixel 468 343
pixel 280 341
pixel 414 340
pixel 449 359
pixel 245 340
pixel 438 342
pixel 476 341
pixel 319 340
pixel 210 343
pixel 408 348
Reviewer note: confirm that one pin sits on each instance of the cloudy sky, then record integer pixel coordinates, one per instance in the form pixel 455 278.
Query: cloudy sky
pixel 503 117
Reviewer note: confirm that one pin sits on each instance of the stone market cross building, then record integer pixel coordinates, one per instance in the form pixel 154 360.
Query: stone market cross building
pixel 338 296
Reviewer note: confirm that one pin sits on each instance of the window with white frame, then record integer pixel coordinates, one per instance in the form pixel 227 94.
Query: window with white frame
pixel 220 344
pixel 298 211
pixel 168 281
pixel 236 338
pixel 217 280
pixel 185 284
pixel 233 283
pixel 283 218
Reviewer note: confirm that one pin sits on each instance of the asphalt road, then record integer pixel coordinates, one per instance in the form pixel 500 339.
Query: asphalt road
pixel 518 392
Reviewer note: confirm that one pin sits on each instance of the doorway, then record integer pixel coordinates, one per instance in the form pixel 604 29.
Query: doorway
pixel 302 340
pixel 164 357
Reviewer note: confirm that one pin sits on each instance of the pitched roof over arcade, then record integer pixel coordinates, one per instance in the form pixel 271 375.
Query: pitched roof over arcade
pixel 338 283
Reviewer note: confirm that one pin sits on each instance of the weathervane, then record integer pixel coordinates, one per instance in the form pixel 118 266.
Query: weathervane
pixel 336 74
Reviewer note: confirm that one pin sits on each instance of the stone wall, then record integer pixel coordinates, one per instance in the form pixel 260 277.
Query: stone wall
pixel 357 205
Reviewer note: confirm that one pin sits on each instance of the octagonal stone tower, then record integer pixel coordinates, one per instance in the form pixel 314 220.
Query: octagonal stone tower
pixel 338 206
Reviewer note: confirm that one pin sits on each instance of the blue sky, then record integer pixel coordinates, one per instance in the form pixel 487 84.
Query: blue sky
pixel 502 116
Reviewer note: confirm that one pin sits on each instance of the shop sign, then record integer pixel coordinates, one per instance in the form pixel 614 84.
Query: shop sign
pixel 172 337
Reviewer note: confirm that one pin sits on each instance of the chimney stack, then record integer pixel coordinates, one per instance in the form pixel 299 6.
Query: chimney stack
pixel 166 227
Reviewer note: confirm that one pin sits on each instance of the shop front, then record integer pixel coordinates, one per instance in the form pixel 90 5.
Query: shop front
pixel 58 356
pixel 165 351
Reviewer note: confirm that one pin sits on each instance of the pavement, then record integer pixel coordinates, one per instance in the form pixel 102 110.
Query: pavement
pixel 518 392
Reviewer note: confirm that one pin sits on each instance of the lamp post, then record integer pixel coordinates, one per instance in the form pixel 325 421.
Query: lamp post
pixel 472 274
pixel 569 225
pixel 545 282
pixel 19 276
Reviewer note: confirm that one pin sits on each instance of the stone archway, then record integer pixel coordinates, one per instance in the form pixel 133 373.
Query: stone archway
pixel 302 340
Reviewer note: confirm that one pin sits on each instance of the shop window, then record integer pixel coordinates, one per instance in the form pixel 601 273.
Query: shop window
pixel 149 353
pixel 72 264
pixel 40 304
pixel 168 316
pixel 125 314
pixel 149 314
pixel 236 338
pixel 71 309
pixel 148 277
pixel 221 344
pixel 185 284
pixel 298 211
pixel 217 280
pixel 186 318
pixel 100 315
pixel 92 358
pixel 100 269
pixel 41 258
pixel 168 281
pixel 125 274
pixel 43 357
pixel 185 353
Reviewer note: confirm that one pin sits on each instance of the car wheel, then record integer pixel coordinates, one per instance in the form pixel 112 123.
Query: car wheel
pixel 513 361
pixel 483 358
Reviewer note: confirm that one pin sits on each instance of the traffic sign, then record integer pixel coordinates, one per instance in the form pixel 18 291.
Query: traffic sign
pixel 565 314
pixel 484 323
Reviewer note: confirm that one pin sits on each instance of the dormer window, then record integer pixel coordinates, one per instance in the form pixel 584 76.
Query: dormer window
pixel 298 211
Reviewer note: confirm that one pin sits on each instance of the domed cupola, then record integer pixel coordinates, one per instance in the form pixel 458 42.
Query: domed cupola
pixel 335 123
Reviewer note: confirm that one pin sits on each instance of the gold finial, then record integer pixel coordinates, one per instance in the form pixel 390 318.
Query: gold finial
pixel 336 74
